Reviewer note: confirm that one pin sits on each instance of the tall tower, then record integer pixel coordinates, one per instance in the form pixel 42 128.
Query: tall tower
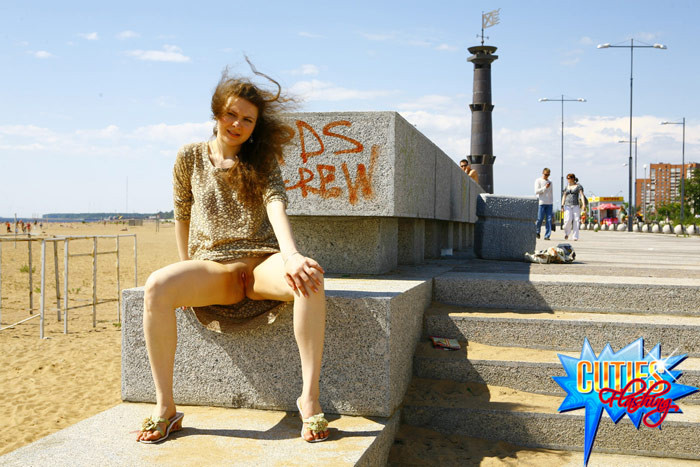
pixel 481 154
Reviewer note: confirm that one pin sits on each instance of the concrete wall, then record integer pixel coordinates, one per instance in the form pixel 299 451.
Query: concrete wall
pixel 347 167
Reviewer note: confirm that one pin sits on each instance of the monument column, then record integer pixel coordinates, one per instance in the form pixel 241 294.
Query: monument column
pixel 481 153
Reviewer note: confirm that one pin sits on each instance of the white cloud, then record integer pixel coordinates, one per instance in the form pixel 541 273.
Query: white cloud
pixel 170 53
pixel 647 36
pixel 447 47
pixel 429 122
pixel 571 57
pixel 110 141
pixel 378 36
pixel 42 54
pixel 307 69
pixel 90 36
pixel 173 135
pixel 128 34
pixel 165 101
pixel 310 35
pixel 430 101
pixel 316 90
pixel 585 40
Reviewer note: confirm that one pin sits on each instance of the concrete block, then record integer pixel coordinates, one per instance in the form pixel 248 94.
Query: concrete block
pixel 563 330
pixel 411 249
pixel 645 228
pixel 416 157
pixel 667 229
pixel 678 230
pixel 621 227
pixel 691 229
pixel 373 326
pixel 352 245
pixel 655 228
pixel 504 229
pixel 210 436
pixel 432 239
pixel 369 164
pixel 561 292
pixel 527 419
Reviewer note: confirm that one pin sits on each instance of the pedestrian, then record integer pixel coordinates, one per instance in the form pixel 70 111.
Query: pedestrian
pixel 237 244
pixel 573 199
pixel 544 192
pixel 466 166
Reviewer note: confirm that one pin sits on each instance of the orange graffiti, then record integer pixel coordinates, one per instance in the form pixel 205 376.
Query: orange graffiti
pixel 305 155
pixel 333 192
pixel 327 131
pixel 303 182
pixel 326 172
pixel 363 180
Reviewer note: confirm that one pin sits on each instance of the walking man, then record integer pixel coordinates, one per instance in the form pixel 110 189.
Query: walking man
pixel 543 190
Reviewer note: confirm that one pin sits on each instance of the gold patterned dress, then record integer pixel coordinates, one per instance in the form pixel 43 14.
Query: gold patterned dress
pixel 222 229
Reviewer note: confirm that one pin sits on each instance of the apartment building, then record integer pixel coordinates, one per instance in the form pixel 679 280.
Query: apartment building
pixel 663 185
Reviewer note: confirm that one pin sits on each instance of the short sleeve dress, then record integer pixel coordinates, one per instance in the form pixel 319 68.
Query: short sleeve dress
pixel 222 229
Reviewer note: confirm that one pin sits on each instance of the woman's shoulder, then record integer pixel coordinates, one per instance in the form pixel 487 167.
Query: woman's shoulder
pixel 191 149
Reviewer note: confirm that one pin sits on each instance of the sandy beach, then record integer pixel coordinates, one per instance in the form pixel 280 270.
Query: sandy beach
pixel 50 384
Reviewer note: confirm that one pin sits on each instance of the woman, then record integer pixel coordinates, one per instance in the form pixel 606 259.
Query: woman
pixel 234 241
pixel 572 199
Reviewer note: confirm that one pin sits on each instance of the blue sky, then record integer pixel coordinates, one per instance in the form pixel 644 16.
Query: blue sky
pixel 93 93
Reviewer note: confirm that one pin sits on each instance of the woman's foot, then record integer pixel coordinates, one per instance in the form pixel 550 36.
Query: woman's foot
pixel 158 427
pixel 315 426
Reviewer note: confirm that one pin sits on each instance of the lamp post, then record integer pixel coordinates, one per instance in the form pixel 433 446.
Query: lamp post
pixel 562 100
pixel 635 176
pixel 632 46
pixel 644 195
pixel 682 122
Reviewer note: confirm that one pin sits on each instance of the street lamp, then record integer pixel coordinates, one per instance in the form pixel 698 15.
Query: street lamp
pixel 632 46
pixel 644 195
pixel 562 100
pixel 635 174
pixel 682 122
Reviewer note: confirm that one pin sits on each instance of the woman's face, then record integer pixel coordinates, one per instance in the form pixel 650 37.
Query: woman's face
pixel 237 121
pixel 571 180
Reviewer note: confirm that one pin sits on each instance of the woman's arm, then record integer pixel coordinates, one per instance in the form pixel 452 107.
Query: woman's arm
pixel 182 236
pixel 299 270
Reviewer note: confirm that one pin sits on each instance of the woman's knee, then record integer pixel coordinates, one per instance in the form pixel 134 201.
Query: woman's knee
pixel 155 291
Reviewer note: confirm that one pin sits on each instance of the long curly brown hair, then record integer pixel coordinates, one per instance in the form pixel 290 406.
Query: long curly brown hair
pixel 260 153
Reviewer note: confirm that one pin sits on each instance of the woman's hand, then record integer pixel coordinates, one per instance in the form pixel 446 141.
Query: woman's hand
pixel 302 274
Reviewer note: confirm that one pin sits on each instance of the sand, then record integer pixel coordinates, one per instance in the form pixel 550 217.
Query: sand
pixel 47 385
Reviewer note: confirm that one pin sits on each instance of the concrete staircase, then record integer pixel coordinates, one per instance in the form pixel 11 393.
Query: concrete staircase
pixel 499 387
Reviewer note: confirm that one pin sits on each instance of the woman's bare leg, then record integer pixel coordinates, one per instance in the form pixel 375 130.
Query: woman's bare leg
pixel 187 283
pixel 268 282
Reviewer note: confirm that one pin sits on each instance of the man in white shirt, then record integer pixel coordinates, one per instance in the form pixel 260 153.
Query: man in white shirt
pixel 543 190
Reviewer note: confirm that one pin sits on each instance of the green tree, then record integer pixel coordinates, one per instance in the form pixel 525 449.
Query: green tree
pixel 692 191
pixel 673 212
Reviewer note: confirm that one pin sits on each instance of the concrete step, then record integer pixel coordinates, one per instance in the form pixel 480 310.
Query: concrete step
pixel 620 294
pixel 422 446
pixel 527 419
pixel 562 330
pixel 520 368
pixel 210 436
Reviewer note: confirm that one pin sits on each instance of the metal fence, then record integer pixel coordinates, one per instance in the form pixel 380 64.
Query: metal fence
pixel 66 277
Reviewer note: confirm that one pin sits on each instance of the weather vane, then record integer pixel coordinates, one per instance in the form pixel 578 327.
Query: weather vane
pixel 487 20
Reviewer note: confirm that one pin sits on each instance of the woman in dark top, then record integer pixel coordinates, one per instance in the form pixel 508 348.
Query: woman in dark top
pixel 572 200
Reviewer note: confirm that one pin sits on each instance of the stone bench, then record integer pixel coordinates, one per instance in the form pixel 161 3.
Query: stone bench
pixel 506 226
pixel 367 192
pixel 373 326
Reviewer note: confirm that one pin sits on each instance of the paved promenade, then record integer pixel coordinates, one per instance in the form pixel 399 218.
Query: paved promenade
pixel 653 258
